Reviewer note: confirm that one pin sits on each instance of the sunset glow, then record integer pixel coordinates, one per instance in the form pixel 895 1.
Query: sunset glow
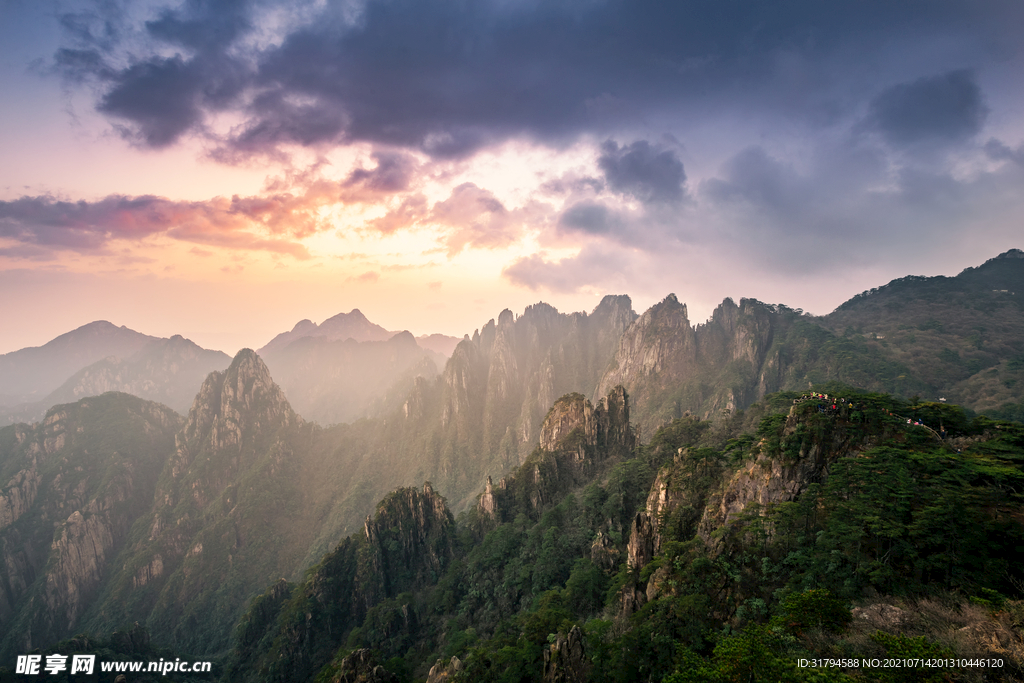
pixel 297 161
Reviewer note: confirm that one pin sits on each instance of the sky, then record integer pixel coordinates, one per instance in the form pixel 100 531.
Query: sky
pixel 223 169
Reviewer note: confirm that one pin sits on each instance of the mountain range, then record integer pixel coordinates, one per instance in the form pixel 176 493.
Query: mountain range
pixel 115 509
pixel 329 382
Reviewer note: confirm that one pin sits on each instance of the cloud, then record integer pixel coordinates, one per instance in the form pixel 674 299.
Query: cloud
pixel 938 109
pixel 408 213
pixel 269 223
pixel 643 171
pixel 474 217
pixel 1000 151
pixel 593 265
pixel 755 177
pixel 394 173
pixel 449 78
pixel 159 98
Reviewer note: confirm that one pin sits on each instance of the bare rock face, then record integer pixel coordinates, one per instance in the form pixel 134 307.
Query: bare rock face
pixel 442 671
pixel 574 424
pixel 487 502
pixel 571 412
pixel 565 661
pixel 359 667
pixel 499 383
pixel 770 478
pixel 631 599
pixel 662 353
pixel 660 343
pixel 18 495
pixel 642 541
pixel 603 553
pixel 880 616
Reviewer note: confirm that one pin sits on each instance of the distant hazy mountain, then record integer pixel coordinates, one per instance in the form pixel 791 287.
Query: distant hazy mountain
pixel 353 325
pixel 331 381
pixel 169 371
pixel 29 374
pixel 348 367
pixel 438 343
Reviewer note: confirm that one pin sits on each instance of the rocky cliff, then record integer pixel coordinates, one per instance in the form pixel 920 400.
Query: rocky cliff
pixel 670 366
pixel 74 484
pixel 498 385
pixel 576 439
pixel 742 353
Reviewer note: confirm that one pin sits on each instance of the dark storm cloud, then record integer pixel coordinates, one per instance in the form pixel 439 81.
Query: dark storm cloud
pixel 641 170
pixel 159 97
pixel 449 77
pixel 943 109
pixel 156 99
pixel 203 25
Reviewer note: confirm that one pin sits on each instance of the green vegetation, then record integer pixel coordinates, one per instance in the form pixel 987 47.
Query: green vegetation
pixel 904 524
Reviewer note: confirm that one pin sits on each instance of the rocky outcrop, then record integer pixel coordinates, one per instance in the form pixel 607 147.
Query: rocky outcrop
pixel 670 366
pixel 220 509
pixel 574 424
pixel 643 537
pixel 412 530
pixel 603 552
pixel 360 667
pixel 445 672
pixel 565 660
pixel 406 545
pixel 498 385
pixel 770 477
pixel 575 438
pixel 234 411
pixel 18 495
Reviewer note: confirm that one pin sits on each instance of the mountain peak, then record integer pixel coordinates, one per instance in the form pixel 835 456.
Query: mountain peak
pixel 236 399
pixel 304 326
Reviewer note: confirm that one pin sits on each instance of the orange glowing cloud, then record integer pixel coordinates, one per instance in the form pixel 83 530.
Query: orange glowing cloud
pixel 271 223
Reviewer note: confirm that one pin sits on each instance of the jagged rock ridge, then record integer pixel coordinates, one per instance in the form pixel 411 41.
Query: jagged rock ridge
pixel 498 385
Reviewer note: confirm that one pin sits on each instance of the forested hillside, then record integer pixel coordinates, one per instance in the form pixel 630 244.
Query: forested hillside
pixel 804 527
